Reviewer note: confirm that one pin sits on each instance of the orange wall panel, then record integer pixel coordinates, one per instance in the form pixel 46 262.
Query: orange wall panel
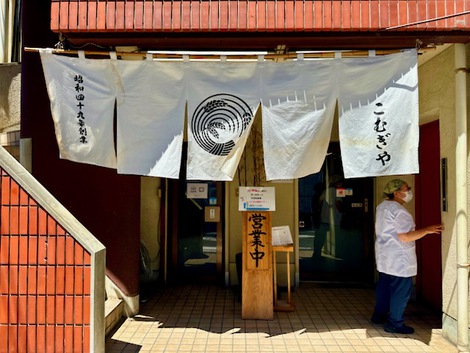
pixel 45 280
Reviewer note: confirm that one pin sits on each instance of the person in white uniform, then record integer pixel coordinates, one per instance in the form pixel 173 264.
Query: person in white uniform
pixel 395 256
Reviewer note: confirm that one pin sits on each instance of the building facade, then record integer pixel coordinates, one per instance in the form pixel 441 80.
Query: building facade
pixel 151 221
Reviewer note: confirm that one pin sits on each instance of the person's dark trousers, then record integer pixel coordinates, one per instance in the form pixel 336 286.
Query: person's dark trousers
pixel 392 295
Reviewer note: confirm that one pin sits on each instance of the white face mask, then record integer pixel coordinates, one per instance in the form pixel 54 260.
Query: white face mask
pixel 408 196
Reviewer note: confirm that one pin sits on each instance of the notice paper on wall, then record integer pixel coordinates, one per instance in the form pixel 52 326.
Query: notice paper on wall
pixel 282 236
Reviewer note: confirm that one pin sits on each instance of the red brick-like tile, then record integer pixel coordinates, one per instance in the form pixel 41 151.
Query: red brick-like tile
pixel 60 255
pixel 69 280
pixel 23 280
pixel 32 279
pixel 33 250
pixel 51 250
pixel 289 13
pixel 63 15
pixel 13 309
pixel 41 279
pixel 32 310
pixel 31 338
pixel 86 339
pixel 14 249
pixel 42 222
pixel 87 280
pixel 23 220
pixel 166 15
pixel 120 16
pixel 41 338
pixel 60 280
pixel 83 15
pixel 59 338
pixel 12 338
pixel 68 341
pixel 78 310
pixel 92 20
pixel 55 16
pixel 4 249
pixel 50 310
pixel 101 15
pixel 60 309
pixel 51 225
pixel 23 245
pixel 23 310
pixel 69 314
pixel 22 339
pixel 41 310
pixel 79 277
pixel 13 280
pixel 33 220
pixel 5 224
pixel 3 310
pixel 42 250
pixel 14 220
pixel 14 193
pixel 148 18
pixel 4 279
pixel 69 250
pixel 50 338
pixel 78 338
pixel 4 342
pixel 78 254
pixel 157 15
pixel 86 310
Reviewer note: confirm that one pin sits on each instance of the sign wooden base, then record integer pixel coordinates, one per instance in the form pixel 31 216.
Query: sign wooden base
pixel 257 273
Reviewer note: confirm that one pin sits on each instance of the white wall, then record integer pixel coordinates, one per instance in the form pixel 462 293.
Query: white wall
pixel 437 100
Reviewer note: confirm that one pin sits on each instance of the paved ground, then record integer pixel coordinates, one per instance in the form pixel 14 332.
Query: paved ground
pixel 207 318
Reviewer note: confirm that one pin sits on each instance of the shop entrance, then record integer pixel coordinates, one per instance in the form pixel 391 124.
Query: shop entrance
pixel 196 231
pixel 335 225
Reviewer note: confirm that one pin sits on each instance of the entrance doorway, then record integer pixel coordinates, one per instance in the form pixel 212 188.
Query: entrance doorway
pixel 335 225
pixel 196 223
pixel 428 211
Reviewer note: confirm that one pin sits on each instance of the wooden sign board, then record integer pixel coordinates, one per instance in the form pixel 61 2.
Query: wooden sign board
pixel 257 272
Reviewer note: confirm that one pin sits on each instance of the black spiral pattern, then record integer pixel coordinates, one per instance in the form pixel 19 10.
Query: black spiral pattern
pixel 218 120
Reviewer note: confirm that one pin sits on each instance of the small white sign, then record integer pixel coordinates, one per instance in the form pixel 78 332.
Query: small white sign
pixel 256 198
pixel 196 191
pixel 282 236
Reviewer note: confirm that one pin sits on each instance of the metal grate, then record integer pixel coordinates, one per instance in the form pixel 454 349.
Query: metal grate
pixel 45 278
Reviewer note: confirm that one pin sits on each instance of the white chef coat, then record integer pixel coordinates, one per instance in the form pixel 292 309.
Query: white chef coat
pixel 392 256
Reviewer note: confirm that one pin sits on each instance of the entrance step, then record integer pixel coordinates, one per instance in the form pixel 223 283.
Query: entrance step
pixel 113 308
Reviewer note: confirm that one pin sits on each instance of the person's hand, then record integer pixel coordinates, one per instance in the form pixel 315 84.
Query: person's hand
pixel 436 228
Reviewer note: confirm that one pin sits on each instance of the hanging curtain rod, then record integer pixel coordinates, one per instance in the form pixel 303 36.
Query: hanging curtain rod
pixel 196 56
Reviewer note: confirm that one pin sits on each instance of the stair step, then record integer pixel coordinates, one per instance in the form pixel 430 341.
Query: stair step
pixel 113 309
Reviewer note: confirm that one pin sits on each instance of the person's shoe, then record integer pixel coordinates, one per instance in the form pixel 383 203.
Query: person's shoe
pixel 379 319
pixel 403 329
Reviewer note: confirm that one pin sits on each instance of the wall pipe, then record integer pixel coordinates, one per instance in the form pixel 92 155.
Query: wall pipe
pixel 3 30
pixel 461 196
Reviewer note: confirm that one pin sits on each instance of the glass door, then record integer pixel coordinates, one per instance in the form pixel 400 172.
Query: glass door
pixel 335 225
pixel 196 245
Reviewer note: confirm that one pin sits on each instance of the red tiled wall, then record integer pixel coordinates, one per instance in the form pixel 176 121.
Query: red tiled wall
pixel 44 279
pixel 254 15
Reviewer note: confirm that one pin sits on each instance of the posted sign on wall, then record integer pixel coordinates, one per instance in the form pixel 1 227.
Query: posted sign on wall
pixel 254 198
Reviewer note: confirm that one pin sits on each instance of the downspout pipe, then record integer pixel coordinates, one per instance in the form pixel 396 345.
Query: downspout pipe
pixel 461 196
pixel 3 30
